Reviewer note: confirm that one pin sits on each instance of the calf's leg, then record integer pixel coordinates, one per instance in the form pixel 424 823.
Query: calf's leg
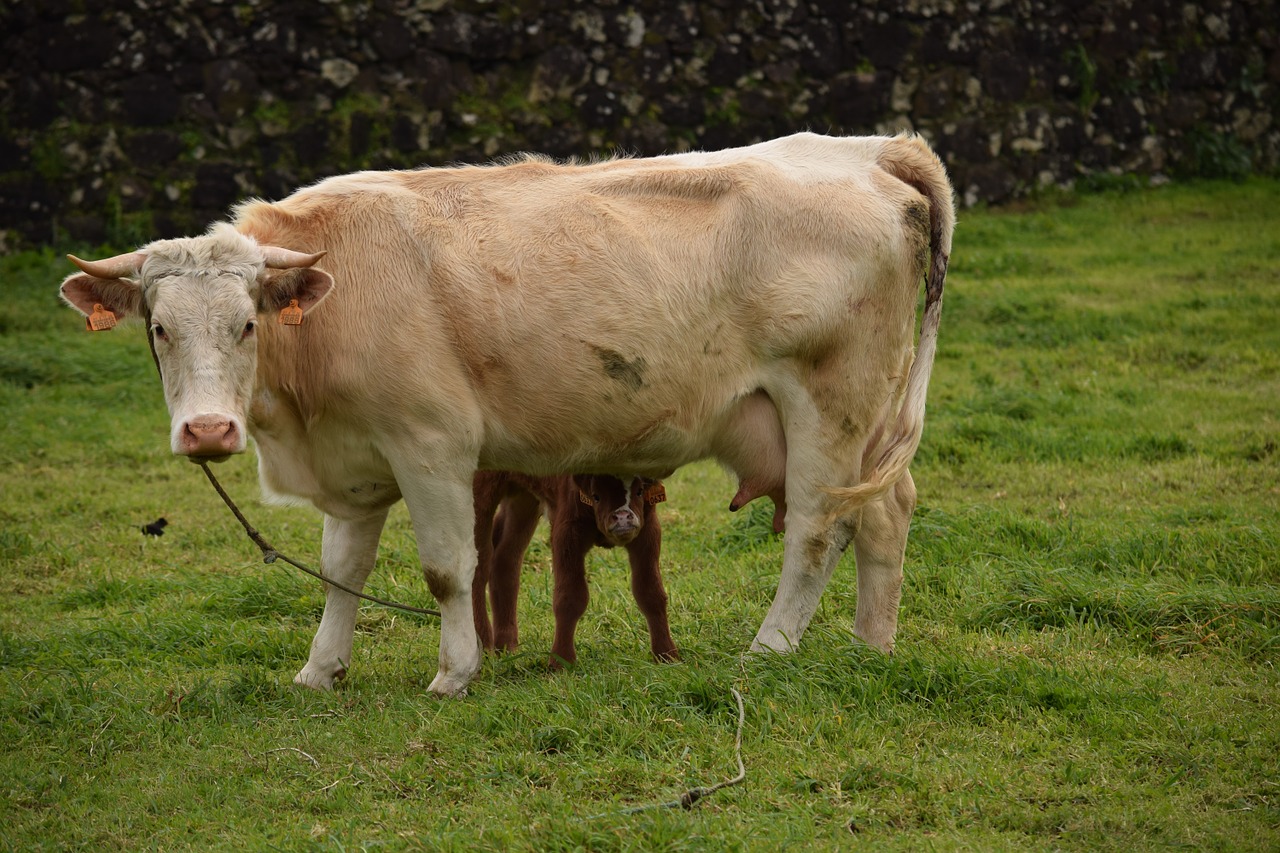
pixel 647 588
pixel 520 513
pixel 486 496
pixel 570 594
pixel 348 550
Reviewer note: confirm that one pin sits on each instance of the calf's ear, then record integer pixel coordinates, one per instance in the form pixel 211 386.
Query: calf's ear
pixel 85 293
pixel 585 485
pixel 307 286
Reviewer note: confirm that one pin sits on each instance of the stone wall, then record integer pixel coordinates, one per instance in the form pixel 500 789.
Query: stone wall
pixel 126 120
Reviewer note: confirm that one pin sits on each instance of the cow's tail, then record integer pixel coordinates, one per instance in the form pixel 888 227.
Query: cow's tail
pixel 910 160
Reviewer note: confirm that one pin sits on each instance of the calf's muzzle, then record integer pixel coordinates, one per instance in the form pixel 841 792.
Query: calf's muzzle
pixel 623 519
pixel 623 525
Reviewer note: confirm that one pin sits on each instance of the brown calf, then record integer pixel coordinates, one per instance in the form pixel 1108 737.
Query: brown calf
pixel 584 512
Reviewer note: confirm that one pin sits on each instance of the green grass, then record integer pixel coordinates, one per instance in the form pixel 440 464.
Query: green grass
pixel 1086 658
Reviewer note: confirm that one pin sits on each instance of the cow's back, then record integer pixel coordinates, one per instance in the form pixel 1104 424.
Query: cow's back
pixel 601 316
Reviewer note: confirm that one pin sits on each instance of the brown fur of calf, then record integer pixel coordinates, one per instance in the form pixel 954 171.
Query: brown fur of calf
pixel 584 512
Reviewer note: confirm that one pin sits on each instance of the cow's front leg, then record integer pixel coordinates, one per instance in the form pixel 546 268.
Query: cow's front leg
pixel 347 553
pixel 441 509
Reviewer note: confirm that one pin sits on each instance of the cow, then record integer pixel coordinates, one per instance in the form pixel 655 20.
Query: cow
pixel 384 335
pixel 584 511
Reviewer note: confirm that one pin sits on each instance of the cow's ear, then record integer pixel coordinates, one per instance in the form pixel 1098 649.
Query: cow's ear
pixel 85 292
pixel 280 288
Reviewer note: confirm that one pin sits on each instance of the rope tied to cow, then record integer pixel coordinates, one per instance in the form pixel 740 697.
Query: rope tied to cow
pixel 270 554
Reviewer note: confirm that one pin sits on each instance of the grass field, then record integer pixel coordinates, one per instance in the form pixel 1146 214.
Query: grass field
pixel 1088 641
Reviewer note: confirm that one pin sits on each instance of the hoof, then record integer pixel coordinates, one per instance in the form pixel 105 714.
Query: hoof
pixel 772 641
pixel 317 679
pixel 447 687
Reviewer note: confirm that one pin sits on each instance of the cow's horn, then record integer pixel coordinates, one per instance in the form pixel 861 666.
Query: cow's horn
pixel 120 265
pixel 283 259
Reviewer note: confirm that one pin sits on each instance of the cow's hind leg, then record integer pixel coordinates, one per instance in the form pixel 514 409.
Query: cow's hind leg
pixel 880 545
pixel 348 550
pixel 821 452
pixel 811 552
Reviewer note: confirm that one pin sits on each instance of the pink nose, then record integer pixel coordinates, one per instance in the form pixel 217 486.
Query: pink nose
pixel 210 435
pixel 623 521
pixel 624 527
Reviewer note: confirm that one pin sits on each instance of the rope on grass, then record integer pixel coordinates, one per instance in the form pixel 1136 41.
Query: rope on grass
pixel 689 798
pixel 314 763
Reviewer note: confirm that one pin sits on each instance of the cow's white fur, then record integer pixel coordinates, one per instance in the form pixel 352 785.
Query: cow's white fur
pixel 624 317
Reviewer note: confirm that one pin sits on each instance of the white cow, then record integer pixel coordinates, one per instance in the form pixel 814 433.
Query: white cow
pixel 624 317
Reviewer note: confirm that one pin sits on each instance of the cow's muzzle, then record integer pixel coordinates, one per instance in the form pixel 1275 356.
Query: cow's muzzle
pixel 209 438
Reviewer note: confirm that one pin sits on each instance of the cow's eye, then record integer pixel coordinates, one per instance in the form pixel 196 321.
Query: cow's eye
pixel 248 330
pixel 159 332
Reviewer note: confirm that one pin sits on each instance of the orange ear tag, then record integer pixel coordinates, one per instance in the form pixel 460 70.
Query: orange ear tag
pixel 656 494
pixel 584 498
pixel 100 320
pixel 292 315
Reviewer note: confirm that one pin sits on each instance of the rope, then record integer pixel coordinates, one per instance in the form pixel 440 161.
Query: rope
pixel 270 554
pixel 689 798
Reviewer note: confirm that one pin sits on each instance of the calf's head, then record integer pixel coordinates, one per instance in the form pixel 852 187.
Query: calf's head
pixel 620 508
pixel 202 298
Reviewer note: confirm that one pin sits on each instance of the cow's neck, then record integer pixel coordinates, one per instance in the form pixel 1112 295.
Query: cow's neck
pixel 284 376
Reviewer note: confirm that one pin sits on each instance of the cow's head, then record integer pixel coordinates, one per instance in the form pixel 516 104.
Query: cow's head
pixel 203 298
pixel 620 508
